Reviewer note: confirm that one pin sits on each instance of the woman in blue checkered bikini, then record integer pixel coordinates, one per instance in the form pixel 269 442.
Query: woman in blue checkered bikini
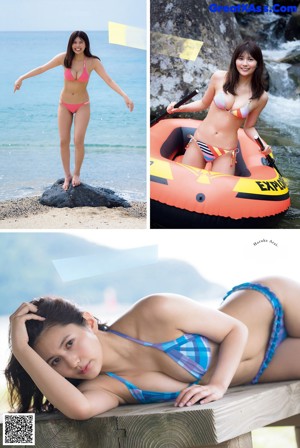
pixel 166 347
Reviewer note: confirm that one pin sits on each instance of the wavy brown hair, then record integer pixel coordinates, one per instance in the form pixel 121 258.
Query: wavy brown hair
pixel 23 394
pixel 257 80
pixel 70 53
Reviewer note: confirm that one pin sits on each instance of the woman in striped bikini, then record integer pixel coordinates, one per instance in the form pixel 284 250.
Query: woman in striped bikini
pixel 232 98
pixel 74 104
pixel 166 347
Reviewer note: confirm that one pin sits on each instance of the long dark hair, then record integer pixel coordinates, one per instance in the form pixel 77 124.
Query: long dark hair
pixel 70 53
pixel 232 77
pixel 23 394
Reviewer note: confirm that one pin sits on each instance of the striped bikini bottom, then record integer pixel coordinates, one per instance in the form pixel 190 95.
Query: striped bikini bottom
pixel 211 153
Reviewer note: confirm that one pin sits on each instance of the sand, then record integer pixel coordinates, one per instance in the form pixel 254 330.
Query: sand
pixel 28 213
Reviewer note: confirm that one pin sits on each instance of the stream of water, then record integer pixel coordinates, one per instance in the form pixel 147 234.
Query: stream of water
pixel 280 126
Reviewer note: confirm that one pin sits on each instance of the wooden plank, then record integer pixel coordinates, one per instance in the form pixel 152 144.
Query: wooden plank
pixel 241 410
pixel 56 431
pixel 244 441
pixel 290 421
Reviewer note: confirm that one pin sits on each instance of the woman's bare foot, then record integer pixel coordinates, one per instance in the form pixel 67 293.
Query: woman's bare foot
pixel 75 180
pixel 67 182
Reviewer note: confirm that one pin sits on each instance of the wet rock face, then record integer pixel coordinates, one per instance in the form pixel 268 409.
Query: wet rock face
pixel 81 196
pixel 173 77
pixel 293 27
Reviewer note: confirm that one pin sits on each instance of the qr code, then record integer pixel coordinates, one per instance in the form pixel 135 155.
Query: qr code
pixel 18 429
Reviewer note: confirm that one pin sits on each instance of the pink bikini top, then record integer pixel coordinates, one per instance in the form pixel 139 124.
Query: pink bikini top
pixel 220 102
pixel 84 77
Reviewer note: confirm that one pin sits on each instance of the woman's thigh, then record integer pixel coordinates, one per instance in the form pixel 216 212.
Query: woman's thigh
pixel 81 122
pixel 193 155
pixel 224 164
pixel 285 364
pixel 65 119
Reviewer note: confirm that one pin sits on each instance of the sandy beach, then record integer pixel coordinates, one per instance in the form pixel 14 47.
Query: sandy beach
pixel 28 213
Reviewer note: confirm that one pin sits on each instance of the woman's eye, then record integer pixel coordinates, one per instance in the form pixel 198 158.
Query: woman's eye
pixel 55 362
pixel 70 343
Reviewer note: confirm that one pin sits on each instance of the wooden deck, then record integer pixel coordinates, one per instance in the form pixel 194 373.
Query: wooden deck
pixel 224 423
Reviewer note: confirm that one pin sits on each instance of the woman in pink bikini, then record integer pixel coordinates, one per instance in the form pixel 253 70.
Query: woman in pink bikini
pixel 78 63
pixel 232 98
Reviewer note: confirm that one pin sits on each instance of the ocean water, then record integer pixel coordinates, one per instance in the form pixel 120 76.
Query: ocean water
pixel 115 147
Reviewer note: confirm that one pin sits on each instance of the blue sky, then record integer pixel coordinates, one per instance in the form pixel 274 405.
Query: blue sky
pixel 27 15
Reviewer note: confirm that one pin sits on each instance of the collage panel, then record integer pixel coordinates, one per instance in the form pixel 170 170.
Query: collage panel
pixel 139 320
pixel 73 115
pixel 225 111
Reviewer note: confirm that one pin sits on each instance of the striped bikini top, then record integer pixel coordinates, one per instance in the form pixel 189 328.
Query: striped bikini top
pixel 190 351
pixel 84 77
pixel 220 102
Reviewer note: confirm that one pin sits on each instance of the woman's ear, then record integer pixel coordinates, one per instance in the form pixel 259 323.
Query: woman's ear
pixel 90 320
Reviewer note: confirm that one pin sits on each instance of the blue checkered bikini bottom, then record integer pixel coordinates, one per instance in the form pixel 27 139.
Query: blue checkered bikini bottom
pixel 278 332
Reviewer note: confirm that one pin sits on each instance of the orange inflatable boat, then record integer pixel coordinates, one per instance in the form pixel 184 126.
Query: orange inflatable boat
pixel 183 196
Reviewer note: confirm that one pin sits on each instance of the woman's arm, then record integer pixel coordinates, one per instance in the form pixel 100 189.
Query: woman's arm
pixel 199 105
pixel 99 69
pixel 56 61
pixel 249 126
pixel 231 335
pixel 59 391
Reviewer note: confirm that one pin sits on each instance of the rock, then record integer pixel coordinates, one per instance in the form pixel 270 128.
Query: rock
pixel 293 57
pixel 81 196
pixel 174 77
pixel 294 74
pixel 292 31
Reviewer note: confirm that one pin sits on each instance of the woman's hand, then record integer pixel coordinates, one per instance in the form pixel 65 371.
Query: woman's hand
pixel 197 393
pixel 129 103
pixel 267 150
pixel 18 330
pixel 18 84
pixel 171 109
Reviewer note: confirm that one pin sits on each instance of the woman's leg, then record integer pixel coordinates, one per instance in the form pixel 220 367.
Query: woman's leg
pixel 193 155
pixel 223 164
pixel 64 126
pixel 285 364
pixel 81 122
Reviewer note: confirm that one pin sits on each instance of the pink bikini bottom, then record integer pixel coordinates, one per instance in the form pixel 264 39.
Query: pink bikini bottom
pixel 73 108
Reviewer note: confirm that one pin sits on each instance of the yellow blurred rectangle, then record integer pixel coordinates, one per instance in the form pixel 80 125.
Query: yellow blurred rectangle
pixel 174 46
pixel 128 36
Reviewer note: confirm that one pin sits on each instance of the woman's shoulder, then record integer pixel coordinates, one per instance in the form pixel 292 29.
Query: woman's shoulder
pixel 219 75
pixel 217 79
pixel 60 57
pixel 263 99
pixel 158 305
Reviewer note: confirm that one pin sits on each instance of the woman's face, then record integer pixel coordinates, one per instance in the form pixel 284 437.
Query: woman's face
pixel 245 64
pixel 78 45
pixel 73 351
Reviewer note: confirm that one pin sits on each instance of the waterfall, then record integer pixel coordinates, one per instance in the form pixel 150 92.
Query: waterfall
pixel 280 82
pixel 283 108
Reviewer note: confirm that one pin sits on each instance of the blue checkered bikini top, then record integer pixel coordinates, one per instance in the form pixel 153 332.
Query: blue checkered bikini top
pixel 190 351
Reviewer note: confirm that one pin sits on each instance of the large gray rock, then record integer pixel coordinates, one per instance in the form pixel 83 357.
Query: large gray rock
pixel 81 196
pixel 292 31
pixel 173 77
